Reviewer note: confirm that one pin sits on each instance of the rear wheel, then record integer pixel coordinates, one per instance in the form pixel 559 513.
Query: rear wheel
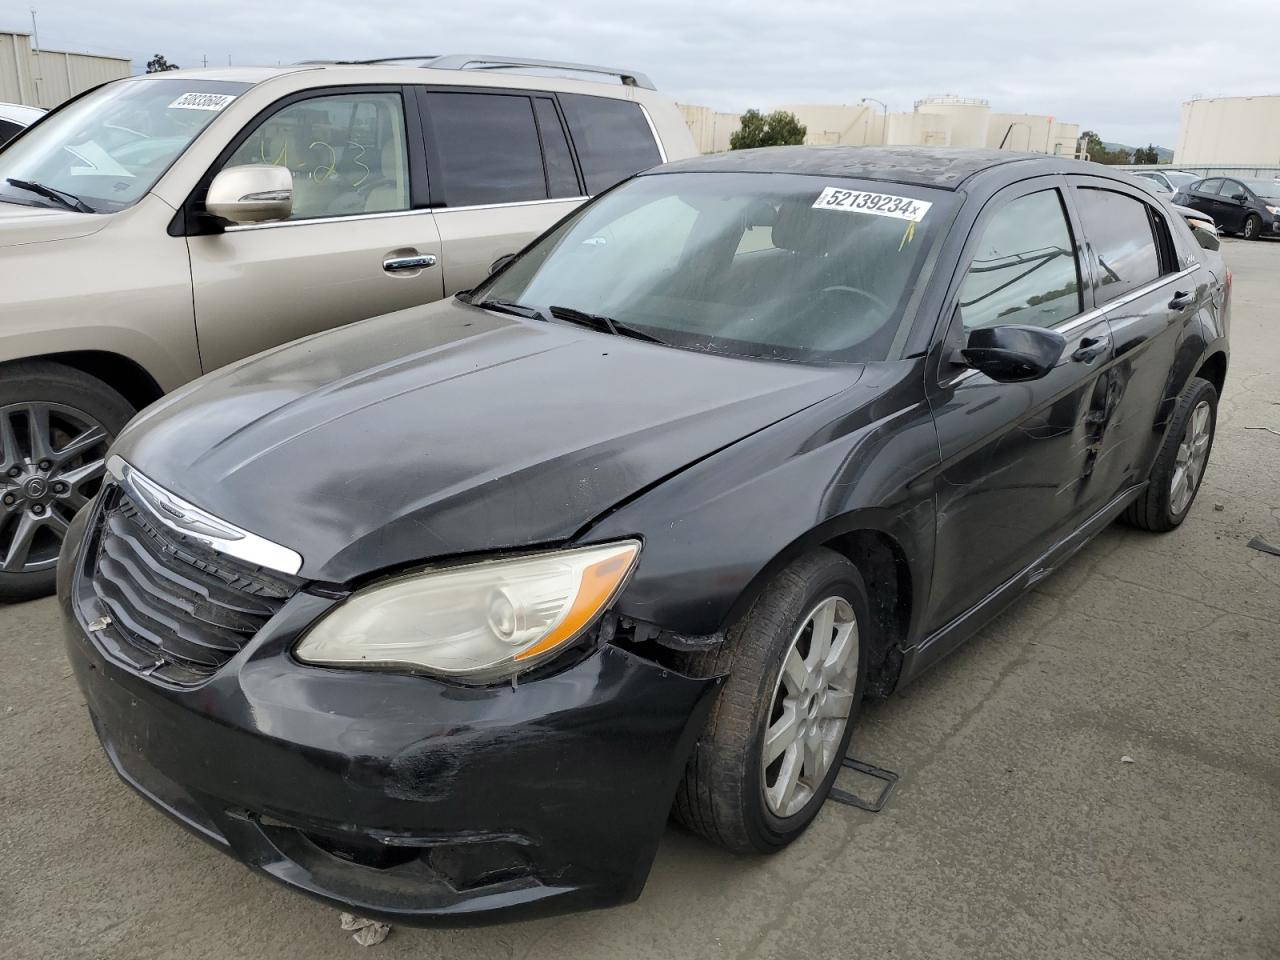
pixel 1252 227
pixel 781 726
pixel 1180 465
pixel 55 426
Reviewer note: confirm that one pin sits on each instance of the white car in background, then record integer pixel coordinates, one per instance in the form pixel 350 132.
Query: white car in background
pixel 14 117
pixel 1166 183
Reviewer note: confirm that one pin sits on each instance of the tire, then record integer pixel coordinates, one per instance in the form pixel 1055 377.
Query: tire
pixel 1252 227
pixel 83 416
pixel 723 793
pixel 1157 508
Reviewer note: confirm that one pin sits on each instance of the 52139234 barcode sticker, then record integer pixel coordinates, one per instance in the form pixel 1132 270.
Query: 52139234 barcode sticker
pixel 202 101
pixel 877 204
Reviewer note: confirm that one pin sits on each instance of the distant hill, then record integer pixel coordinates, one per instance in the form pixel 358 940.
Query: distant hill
pixel 1164 153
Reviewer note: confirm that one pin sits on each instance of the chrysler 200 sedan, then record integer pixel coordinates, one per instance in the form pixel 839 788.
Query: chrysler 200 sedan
pixel 436 617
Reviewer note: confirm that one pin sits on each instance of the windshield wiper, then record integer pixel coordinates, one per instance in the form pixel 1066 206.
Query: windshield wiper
pixel 602 323
pixel 61 197
pixel 508 306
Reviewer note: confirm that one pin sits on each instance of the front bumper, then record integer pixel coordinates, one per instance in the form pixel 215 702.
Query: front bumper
pixel 401 797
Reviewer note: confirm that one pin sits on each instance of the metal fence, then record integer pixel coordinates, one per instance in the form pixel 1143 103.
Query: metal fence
pixel 1228 170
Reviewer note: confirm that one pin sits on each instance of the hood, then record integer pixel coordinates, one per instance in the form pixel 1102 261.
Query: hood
pixel 22 224
pixel 448 430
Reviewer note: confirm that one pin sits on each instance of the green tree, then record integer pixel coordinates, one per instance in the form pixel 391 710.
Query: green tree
pixel 779 128
pixel 1147 154
pixel 158 64
pixel 1098 153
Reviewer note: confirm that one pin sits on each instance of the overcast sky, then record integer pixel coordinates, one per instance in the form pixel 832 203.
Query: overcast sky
pixel 1117 66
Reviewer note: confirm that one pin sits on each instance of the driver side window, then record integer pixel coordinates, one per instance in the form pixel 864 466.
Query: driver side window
pixel 1024 267
pixel 347 154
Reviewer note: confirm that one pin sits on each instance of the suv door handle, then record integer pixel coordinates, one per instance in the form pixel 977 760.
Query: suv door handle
pixel 1182 300
pixel 416 262
pixel 1091 348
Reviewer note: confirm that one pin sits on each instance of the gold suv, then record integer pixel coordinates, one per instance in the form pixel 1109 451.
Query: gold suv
pixel 159 227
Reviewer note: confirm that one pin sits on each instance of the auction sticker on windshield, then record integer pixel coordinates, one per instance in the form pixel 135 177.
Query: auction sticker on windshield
pixel 879 204
pixel 202 101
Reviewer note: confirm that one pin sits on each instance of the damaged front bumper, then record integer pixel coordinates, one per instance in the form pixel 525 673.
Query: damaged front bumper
pixel 402 797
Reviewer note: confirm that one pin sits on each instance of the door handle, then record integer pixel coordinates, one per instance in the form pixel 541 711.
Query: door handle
pixel 415 262
pixel 1091 348
pixel 1182 300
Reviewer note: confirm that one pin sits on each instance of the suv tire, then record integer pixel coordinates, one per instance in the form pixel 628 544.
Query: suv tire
pixel 55 426
pixel 726 794
pixel 1182 460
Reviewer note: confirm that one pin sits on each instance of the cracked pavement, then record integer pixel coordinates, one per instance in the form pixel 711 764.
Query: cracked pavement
pixel 1015 830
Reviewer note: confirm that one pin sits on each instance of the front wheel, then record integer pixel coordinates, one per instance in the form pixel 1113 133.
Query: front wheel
pixel 780 728
pixel 1252 227
pixel 1180 465
pixel 55 426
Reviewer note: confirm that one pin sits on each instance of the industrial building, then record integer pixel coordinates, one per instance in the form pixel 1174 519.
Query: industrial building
pixel 45 78
pixel 933 121
pixel 1217 131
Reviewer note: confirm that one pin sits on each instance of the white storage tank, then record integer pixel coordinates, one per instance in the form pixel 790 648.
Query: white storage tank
pixel 1229 130
pixel 966 117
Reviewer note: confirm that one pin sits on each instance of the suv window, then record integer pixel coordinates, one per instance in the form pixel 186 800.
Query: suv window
pixel 562 179
pixel 347 153
pixel 1024 269
pixel 612 137
pixel 1208 186
pixel 487 148
pixel 1124 247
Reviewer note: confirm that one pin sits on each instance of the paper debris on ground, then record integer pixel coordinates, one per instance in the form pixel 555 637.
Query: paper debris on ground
pixel 364 932
pixel 1127 759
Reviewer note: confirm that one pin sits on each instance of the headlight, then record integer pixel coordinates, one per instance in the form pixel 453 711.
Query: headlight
pixel 1274 211
pixel 477 622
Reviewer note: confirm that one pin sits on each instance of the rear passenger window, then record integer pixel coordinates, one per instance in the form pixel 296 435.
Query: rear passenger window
pixel 1124 247
pixel 612 137
pixel 562 180
pixel 486 147
pixel 1024 269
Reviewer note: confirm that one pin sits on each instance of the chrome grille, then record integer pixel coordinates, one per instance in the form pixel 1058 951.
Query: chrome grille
pixel 178 610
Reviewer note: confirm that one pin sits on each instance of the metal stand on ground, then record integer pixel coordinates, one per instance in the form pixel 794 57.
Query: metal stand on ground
pixel 888 777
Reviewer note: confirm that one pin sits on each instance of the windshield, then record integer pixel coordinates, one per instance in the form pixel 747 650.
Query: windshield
pixel 109 147
pixel 1267 189
pixel 778 266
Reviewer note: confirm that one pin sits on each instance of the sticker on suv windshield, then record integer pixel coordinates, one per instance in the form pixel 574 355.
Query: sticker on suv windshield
pixel 879 204
pixel 202 101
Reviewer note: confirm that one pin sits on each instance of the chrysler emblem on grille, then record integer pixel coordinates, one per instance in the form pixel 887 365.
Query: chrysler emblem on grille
pixel 186 518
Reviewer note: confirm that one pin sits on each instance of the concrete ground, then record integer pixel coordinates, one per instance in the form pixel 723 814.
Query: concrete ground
pixel 1016 831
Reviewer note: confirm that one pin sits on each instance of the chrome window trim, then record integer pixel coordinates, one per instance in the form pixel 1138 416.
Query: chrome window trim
pixel 346 218
pixel 1090 316
pixel 511 203
pixel 662 152
pixel 339 218
pixel 185 518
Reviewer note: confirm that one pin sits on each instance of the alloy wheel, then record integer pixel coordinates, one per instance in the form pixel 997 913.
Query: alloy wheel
pixel 1251 228
pixel 1188 463
pixel 52 461
pixel 812 701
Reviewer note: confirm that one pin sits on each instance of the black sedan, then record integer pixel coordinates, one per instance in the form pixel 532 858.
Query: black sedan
pixel 438 615
pixel 1249 207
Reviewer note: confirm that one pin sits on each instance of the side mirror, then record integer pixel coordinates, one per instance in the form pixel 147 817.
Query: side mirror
pixel 1239 197
pixel 253 193
pixel 1013 353
pixel 501 262
pixel 1206 239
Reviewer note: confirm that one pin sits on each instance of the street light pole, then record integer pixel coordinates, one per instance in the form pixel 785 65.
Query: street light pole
pixel 884 127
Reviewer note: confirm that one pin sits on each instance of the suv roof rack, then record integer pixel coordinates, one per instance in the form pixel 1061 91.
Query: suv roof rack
pixel 464 61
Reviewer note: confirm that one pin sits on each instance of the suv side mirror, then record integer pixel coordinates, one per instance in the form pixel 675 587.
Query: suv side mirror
pixel 501 262
pixel 252 193
pixel 1013 353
